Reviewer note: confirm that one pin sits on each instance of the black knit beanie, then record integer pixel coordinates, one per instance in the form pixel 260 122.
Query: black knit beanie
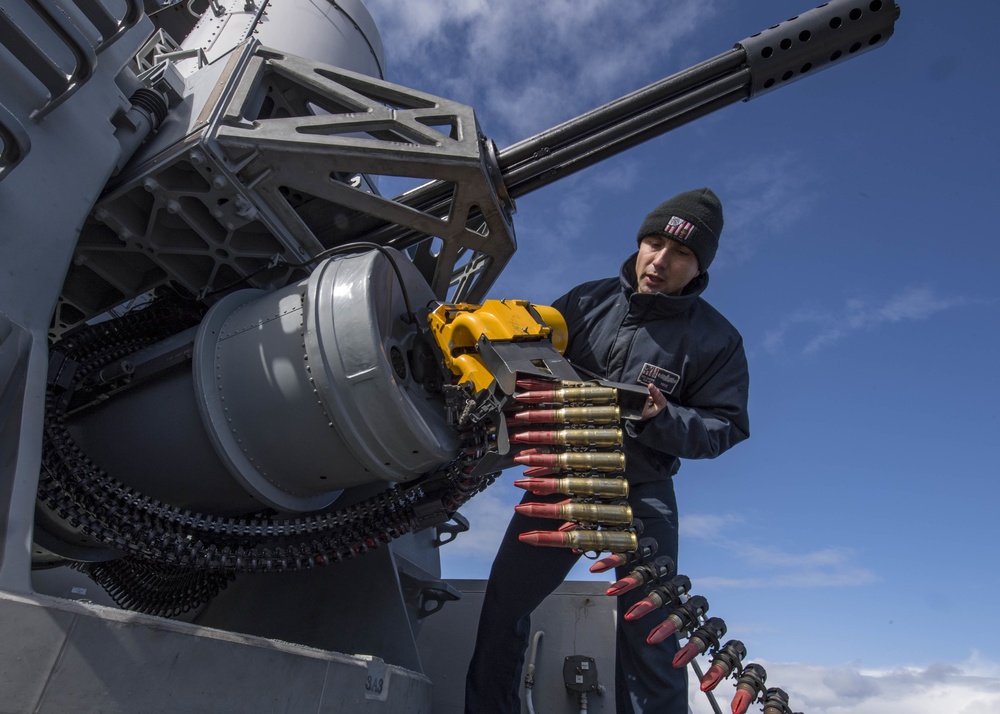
pixel 693 218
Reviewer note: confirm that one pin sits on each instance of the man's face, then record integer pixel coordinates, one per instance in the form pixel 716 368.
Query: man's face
pixel 664 265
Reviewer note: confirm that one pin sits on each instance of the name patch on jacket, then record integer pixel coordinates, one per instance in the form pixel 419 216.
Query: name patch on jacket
pixel 665 380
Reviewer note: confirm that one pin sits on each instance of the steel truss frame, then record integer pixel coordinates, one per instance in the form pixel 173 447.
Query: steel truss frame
pixel 284 168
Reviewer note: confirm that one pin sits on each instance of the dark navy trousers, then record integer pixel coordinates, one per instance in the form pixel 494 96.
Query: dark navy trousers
pixel 646 681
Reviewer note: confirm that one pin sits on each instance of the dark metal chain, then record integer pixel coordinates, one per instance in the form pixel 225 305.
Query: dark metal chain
pixel 177 559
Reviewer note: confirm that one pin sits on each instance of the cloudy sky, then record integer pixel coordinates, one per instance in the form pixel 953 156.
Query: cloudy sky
pixel 851 543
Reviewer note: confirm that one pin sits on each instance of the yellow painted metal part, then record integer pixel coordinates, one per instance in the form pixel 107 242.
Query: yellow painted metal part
pixel 457 329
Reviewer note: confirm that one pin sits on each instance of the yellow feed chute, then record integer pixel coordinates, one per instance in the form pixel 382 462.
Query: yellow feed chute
pixel 458 328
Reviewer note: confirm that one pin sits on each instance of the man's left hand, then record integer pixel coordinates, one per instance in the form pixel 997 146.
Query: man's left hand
pixel 654 404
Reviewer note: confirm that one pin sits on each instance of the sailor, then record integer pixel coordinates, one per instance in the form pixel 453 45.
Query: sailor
pixel 651 326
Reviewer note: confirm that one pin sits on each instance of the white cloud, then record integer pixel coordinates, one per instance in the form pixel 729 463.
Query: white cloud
pixel 806 578
pixel 763 197
pixel 706 526
pixel 530 65
pixel 772 567
pixel 914 304
pixel 771 557
pixel 971 687
pixel 813 329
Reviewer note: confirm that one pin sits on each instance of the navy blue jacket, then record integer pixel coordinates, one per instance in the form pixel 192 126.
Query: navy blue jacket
pixel 681 344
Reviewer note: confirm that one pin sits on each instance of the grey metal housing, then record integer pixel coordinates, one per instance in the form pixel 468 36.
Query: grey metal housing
pixel 292 396
pixel 305 390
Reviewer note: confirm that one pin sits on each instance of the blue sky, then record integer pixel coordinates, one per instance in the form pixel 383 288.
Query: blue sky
pixel 851 542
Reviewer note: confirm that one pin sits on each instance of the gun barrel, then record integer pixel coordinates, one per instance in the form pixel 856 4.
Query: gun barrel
pixel 786 52
pixel 775 57
pixel 624 123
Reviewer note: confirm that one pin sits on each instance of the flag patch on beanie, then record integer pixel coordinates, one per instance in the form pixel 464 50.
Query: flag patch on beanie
pixel 679 228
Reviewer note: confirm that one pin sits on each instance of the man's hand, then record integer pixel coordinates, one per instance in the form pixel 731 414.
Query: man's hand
pixel 654 403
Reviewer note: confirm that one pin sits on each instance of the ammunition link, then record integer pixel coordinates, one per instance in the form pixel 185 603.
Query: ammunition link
pixel 175 559
pixel 579 454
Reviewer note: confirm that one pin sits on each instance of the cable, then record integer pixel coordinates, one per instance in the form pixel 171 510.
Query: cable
pixel 529 677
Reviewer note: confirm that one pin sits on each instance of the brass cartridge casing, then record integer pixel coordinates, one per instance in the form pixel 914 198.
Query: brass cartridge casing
pixel 589 437
pixel 588 394
pixel 604 487
pixel 591 461
pixel 611 541
pixel 607 513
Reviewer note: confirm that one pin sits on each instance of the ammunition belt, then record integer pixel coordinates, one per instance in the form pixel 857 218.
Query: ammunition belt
pixel 176 559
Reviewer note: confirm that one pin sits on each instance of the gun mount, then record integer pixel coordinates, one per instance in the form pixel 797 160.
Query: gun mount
pixel 215 356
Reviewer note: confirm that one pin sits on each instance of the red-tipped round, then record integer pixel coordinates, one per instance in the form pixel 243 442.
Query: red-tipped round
pixel 623 586
pixel 568 526
pixel 538 510
pixel 643 607
pixel 550 538
pixel 661 632
pixel 536 436
pixel 612 561
pixel 713 676
pixel 540 471
pixel 532 451
pixel 537 416
pixel 548 460
pixel 686 653
pixel 538 486
pixel 540 396
pixel 742 701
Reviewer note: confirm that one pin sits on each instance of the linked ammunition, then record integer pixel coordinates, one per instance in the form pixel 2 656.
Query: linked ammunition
pixel 602 513
pixel 605 461
pixel 644 574
pixel 584 540
pixel 589 394
pixel 570 415
pixel 537 471
pixel 708 635
pixel 681 619
pixel 647 549
pixel 570 437
pixel 602 487
pixel 748 687
pixel 726 660
pixel 667 595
